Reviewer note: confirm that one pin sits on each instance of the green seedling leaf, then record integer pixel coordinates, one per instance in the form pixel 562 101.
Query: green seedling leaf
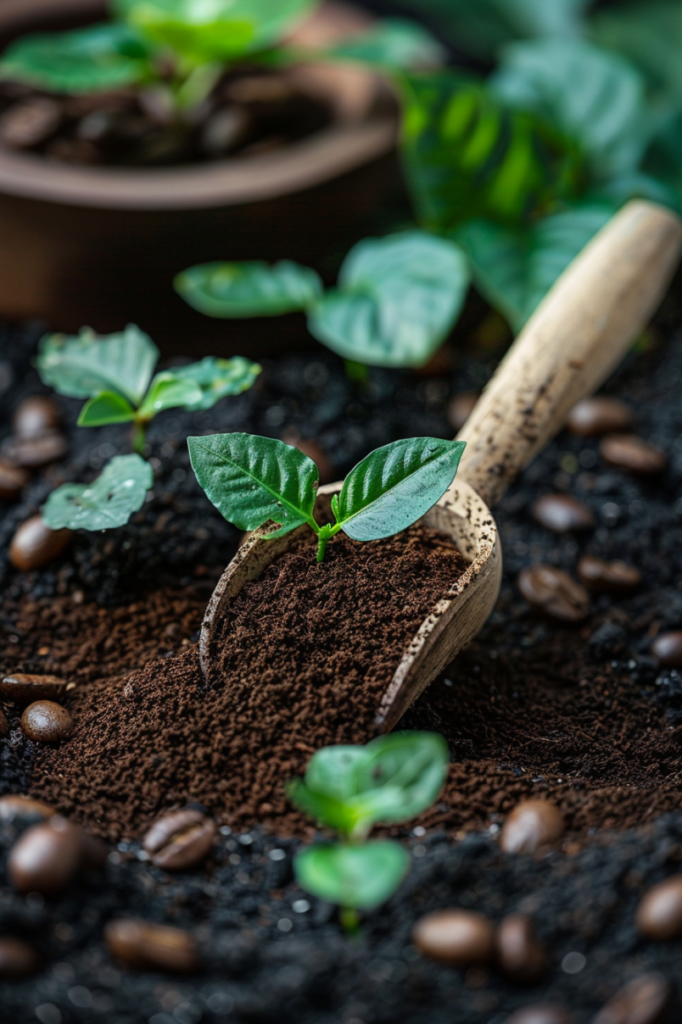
pixel 218 378
pixel 332 771
pixel 248 289
pixel 252 480
pixel 360 877
pixel 168 391
pixel 88 60
pixel 324 807
pixel 396 485
pixel 106 408
pixel 86 365
pixel 109 501
pixel 398 299
pixel 392 43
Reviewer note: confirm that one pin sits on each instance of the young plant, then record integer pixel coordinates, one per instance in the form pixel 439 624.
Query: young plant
pixel 253 480
pixel 352 789
pixel 116 375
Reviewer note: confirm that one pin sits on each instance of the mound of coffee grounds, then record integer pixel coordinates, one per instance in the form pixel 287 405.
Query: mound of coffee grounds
pixel 305 656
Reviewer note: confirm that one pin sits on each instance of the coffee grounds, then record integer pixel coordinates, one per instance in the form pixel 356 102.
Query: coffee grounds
pixel 305 655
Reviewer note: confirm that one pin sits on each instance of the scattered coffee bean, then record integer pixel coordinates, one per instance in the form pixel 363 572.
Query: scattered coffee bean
pixel 4 723
pixel 626 451
pixel 532 824
pixel 46 722
pixel 650 999
pixel 457 937
pixel 659 914
pixel 147 946
pixel 17 958
pixel 14 805
pixel 34 544
pixel 180 840
pixel 93 851
pixel 562 513
pixel 314 450
pixel 46 857
pixel 460 409
pixel 35 416
pixel 540 1014
pixel 12 481
pixel 36 451
pixel 521 957
pixel 553 592
pixel 667 648
pixel 593 417
pixel 25 688
pixel 30 123
pixel 608 577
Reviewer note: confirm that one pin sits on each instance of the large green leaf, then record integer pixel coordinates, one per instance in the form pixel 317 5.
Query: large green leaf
pixel 86 365
pixel 359 877
pixel 106 408
pixel 396 485
pixel 218 378
pixel 109 501
pixel 514 268
pixel 595 98
pixel 252 480
pixel 88 60
pixel 392 43
pixel 248 289
pixel 398 299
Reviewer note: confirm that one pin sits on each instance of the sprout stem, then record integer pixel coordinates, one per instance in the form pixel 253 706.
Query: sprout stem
pixel 350 920
pixel 322 541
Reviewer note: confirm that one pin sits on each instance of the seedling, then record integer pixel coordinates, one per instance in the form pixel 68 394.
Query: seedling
pixel 351 789
pixel 253 480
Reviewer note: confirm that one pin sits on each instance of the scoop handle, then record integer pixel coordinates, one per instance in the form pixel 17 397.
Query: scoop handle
pixel 576 337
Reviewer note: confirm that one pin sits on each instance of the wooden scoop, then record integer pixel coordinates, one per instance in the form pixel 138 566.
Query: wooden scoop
pixel 576 337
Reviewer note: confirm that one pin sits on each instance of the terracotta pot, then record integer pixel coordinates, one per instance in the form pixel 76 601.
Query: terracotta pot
pixel 100 246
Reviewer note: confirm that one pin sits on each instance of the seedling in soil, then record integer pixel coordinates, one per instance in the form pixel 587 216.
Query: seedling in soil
pixel 116 375
pixel 351 789
pixel 253 480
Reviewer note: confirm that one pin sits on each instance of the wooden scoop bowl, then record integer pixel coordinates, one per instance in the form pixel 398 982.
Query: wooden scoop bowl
pixel 576 337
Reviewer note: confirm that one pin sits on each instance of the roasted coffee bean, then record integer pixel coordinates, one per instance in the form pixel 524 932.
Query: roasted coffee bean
pixel 626 451
pixel 35 416
pixel 180 840
pixel 532 824
pixel 593 417
pixel 24 688
pixel 608 577
pixel 460 409
pixel 540 1014
pixel 4 723
pixel 46 722
pixel 147 946
pixel 46 857
pixel 667 648
pixel 457 937
pixel 15 805
pixel 17 958
pixel 30 123
pixel 562 513
pixel 13 479
pixel 650 999
pixel 519 953
pixel 34 544
pixel 36 451
pixel 314 450
pixel 93 851
pixel 659 914
pixel 553 592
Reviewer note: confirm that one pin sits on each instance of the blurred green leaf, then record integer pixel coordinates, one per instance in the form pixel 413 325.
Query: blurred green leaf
pixel 106 408
pixel 248 289
pixel 109 501
pixel 360 877
pixel 392 43
pixel 218 378
pixel 331 771
pixel 664 159
pixel 324 807
pixel 168 391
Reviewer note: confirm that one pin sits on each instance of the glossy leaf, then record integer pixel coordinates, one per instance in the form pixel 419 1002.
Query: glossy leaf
pixel 393 43
pixel 109 501
pixel 397 300
pixel 252 480
pixel 396 485
pixel 360 877
pixel 168 391
pixel 218 378
pixel 86 365
pixel 248 289
pixel 106 408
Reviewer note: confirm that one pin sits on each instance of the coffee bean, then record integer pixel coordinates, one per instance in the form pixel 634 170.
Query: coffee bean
pixel 17 958
pixel 94 852
pixel 30 123
pixel 17 806
pixel 147 946
pixel 562 513
pixel 36 451
pixel 593 417
pixel 457 937
pixel 650 999
pixel 314 450
pixel 553 592
pixel 46 722
pixel 460 409
pixel 12 481
pixel 667 648
pixel 659 914
pixel 519 953
pixel 25 688
pixel 46 857
pixel 532 824
pixel 608 577
pixel 626 451
pixel 4 723
pixel 180 840
pixel 34 416
pixel 34 544
pixel 540 1014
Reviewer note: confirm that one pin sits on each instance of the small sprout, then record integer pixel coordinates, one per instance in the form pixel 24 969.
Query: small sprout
pixel 253 480
pixel 351 789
